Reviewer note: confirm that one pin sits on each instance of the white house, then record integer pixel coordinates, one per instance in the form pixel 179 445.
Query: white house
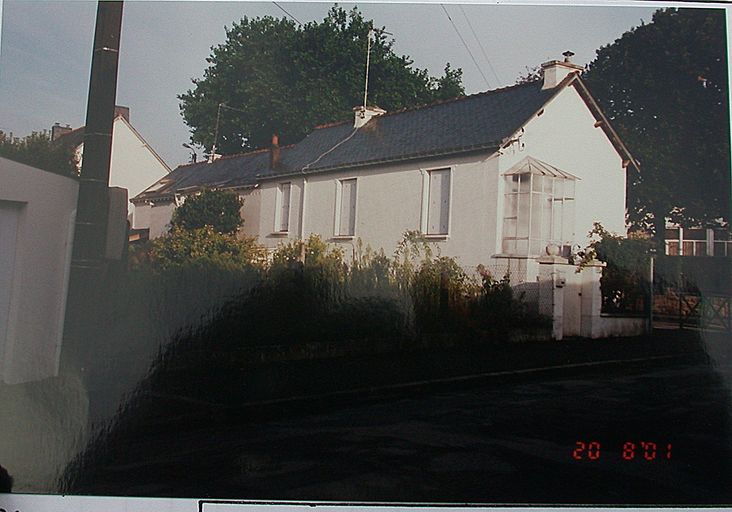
pixel 134 163
pixel 492 178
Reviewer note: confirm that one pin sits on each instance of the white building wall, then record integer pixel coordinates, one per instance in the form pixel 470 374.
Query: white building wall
pixel 159 215
pixel 390 201
pixel 133 165
pixel 250 212
pixel 41 206
pixel 565 136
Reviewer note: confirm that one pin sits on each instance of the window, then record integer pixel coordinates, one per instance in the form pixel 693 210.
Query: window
pixel 346 208
pixel 438 202
pixel 282 213
pixel 538 208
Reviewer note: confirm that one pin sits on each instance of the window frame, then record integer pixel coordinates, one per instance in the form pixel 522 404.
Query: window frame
pixel 278 217
pixel 527 190
pixel 339 207
pixel 426 189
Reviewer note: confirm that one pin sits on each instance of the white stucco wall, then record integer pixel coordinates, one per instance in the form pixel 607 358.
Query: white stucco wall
pixel 158 215
pixel 41 206
pixel 250 212
pixel 133 165
pixel 564 136
pixel 390 202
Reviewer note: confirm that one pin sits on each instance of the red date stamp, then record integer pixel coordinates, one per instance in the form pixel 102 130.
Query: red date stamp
pixel 630 450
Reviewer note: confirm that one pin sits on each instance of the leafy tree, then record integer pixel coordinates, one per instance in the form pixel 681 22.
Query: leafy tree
pixel 204 246
pixel 530 75
pixel 39 151
pixel 219 209
pixel 664 87
pixel 276 77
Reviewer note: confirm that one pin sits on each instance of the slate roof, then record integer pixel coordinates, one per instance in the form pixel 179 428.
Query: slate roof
pixel 479 122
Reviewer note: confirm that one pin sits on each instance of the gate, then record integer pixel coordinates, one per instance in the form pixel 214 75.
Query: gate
pixel 693 293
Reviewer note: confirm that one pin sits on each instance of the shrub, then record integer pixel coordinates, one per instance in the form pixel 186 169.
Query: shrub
pixel 624 280
pixel 218 209
pixel 183 246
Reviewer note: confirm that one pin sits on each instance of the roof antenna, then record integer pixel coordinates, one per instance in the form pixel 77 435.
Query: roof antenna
pixel 368 63
pixel 372 31
pixel 216 134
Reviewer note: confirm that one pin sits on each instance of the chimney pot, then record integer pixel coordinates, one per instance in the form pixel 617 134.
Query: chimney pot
pixel 364 115
pixel 556 70
pixel 274 153
pixel 119 110
pixel 57 130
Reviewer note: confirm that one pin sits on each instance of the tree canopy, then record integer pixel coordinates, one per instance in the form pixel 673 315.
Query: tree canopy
pixel 274 76
pixel 37 150
pixel 218 209
pixel 664 87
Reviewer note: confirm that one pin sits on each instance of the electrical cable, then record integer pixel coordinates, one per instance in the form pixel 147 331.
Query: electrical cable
pixel 290 15
pixel 482 49
pixel 466 46
pixel 329 151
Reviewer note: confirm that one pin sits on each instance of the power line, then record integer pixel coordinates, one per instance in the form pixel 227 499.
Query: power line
pixel 290 15
pixel 466 46
pixel 485 55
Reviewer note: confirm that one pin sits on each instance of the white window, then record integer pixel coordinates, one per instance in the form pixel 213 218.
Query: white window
pixel 346 208
pixel 282 213
pixel 538 209
pixel 438 202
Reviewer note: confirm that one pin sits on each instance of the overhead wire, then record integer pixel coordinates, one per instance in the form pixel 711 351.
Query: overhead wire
pixel 290 15
pixel 466 46
pixel 482 49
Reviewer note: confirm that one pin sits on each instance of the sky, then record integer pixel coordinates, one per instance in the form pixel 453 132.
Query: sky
pixel 45 51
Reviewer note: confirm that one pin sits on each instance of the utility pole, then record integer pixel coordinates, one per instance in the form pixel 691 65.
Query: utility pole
pixel 88 263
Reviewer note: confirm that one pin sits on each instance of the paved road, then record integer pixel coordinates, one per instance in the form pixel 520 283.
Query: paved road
pixel 504 441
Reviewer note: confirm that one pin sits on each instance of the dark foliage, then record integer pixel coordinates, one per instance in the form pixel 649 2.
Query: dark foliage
pixel 281 78
pixel 37 150
pixel 219 209
pixel 664 87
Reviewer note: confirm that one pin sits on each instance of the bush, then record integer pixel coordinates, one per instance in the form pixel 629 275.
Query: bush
pixel 624 281
pixel 204 245
pixel 218 209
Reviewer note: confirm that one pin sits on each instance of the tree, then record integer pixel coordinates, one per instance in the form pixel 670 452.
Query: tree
pixel 276 77
pixel 664 87
pixel 219 209
pixel 39 151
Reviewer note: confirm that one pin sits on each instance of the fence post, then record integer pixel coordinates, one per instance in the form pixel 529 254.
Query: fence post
pixel 550 276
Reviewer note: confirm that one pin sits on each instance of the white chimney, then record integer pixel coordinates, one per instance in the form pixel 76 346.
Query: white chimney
pixel 364 114
pixel 557 70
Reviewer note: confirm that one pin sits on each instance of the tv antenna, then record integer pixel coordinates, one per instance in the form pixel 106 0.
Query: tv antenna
pixel 372 31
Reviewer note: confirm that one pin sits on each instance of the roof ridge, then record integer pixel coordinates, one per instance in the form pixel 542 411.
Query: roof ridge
pixel 234 155
pixel 460 98
pixel 330 125
pixel 435 103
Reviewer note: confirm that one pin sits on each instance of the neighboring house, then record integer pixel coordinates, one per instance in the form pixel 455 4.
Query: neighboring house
pixel 698 241
pixel 491 178
pixel 134 163
pixel 37 212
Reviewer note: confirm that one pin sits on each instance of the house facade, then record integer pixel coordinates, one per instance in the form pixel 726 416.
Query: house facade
pixel 492 178
pixel 134 163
